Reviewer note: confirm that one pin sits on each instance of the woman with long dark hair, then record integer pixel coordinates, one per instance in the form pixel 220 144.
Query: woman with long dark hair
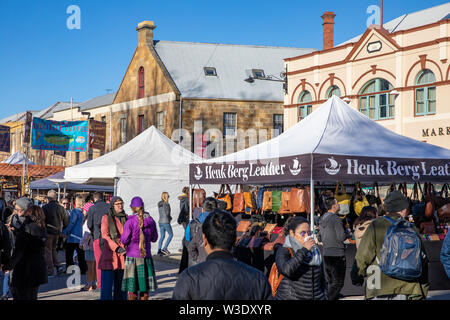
pixel 138 234
pixel 28 258
pixel 300 263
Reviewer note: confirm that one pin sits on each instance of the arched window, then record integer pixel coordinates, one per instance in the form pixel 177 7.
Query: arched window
pixel 333 91
pixel 425 95
pixel 141 92
pixel 306 108
pixel 375 100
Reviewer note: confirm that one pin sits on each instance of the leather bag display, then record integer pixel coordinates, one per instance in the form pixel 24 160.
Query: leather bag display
pixel 198 196
pixel 276 200
pixel 225 196
pixel 429 200
pixel 243 226
pixel 297 200
pixel 267 201
pixel 249 205
pixel 417 205
pixel 285 196
pixel 342 198
pixel 360 199
pixel 238 200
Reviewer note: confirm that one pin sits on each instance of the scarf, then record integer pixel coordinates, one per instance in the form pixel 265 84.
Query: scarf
pixel 313 257
pixel 121 216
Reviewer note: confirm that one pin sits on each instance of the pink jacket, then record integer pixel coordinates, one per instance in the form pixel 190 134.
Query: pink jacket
pixel 109 259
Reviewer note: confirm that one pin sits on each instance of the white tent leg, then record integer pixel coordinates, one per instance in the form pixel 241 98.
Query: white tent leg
pixel 311 192
pixel 59 193
pixel 190 202
pixel 116 180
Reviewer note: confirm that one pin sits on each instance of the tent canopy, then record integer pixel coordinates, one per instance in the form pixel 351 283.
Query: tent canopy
pixel 335 142
pixel 17 158
pixel 149 155
pixel 145 166
pixel 52 181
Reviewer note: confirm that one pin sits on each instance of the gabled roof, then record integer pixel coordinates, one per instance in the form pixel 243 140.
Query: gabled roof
pixel 413 20
pixel 99 101
pixel 185 62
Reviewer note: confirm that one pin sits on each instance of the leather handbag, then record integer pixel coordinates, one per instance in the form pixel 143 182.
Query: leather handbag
pixel 249 205
pixel 307 200
pixel 267 201
pixel 444 213
pixel 429 200
pixel 276 200
pixel 427 227
pixel 269 227
pixel 360 199
pixel 417 205
pixel 243 226
pixel 285 196
pixel 198 196
pixel 227 197
pixel 238 200
pixel 297 200
pixel 275 277
pixel 342 198
pixel 279 240
pixel 443 198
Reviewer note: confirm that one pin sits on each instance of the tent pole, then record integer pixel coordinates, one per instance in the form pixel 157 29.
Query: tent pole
pixel 115 186
pixel 190 202
pixel 59 190
pixel 311 192
pixel 64 189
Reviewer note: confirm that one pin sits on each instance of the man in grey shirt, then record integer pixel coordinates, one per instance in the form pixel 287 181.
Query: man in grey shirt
pixel 332 234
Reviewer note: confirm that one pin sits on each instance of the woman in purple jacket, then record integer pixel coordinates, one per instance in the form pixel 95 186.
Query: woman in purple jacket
pixel 138 233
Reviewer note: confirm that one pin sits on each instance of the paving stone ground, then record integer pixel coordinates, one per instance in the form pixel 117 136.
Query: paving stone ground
pixel 166 275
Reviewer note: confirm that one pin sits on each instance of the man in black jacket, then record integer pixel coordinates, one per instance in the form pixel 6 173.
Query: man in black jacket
pixel 56 221
pixel 220 277
pixel 94 223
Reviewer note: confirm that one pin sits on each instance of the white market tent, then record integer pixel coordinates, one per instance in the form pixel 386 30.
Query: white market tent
pixel 334 143
pixel 17 158
pixel 145 166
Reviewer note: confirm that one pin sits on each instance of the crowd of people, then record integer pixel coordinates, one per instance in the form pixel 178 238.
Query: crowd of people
pixel 114 250
pixel 303 271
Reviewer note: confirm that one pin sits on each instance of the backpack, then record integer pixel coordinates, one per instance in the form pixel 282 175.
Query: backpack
pixel 275 277
pixel 400 255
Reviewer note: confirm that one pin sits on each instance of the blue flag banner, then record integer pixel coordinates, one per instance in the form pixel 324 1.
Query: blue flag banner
pixel 5 139
pixel 59 135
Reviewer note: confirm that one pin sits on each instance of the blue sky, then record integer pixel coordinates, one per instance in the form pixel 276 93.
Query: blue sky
pixel 42 61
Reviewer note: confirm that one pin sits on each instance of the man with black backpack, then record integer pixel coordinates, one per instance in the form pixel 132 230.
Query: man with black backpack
pixel 391 255
pixel 194 234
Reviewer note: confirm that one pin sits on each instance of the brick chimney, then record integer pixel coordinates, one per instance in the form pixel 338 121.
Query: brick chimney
pixel 145 33
pixel 328 29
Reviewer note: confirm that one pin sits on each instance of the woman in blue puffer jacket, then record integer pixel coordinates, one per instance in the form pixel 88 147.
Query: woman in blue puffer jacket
pixel 74 234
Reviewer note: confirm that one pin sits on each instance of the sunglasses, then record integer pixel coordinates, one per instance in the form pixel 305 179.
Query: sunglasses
pixel 303 233
pixel 65 203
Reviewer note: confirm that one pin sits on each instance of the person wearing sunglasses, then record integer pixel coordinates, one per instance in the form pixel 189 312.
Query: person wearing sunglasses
pixel 300 263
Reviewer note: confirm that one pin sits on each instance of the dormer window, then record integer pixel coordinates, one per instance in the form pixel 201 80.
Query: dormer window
pixel 210 71
pixel 258 74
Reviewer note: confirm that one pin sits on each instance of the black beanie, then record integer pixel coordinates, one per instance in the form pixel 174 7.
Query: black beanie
pixel 396 202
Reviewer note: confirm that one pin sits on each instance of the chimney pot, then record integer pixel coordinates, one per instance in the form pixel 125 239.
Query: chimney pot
pixel 145 33
pixel 328 29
